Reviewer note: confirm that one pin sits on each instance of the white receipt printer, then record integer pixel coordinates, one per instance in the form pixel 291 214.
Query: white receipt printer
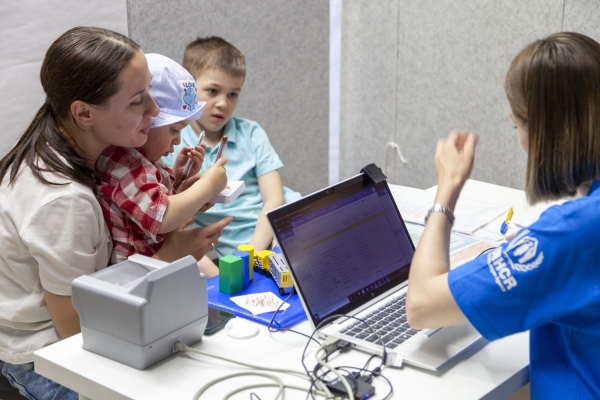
pixel 134 312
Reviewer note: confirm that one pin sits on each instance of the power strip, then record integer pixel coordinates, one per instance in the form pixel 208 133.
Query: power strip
pixel 360 384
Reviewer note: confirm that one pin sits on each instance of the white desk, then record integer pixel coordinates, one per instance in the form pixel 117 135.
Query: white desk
pixel 496 371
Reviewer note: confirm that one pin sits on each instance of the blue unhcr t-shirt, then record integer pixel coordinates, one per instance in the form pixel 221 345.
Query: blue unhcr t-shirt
pixel 249 155
pixel 546 280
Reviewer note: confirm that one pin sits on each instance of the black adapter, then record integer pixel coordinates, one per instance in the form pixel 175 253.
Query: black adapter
pixel 360 385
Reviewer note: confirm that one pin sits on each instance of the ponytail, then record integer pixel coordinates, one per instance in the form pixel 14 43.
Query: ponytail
pixel 84 63
pixel 39 148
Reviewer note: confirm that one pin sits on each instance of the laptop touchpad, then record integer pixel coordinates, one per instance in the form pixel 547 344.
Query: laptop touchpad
pixel 460 335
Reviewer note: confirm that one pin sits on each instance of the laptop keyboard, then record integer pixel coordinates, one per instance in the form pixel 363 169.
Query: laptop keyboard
pixel 389 321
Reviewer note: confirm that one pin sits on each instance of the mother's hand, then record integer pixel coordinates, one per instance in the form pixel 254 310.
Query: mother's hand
pixel 195 242
pixel 454 158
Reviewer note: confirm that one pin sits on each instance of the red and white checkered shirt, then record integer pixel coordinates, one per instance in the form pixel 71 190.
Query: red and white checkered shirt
pixel 133 194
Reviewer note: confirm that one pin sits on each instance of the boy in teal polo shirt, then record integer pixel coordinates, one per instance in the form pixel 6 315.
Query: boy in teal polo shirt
pixel 219 71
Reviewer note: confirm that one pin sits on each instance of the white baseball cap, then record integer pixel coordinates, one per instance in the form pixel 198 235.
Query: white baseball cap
pixel 173 90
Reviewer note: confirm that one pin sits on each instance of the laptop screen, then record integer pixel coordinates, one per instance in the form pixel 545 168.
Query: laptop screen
pixel 345 245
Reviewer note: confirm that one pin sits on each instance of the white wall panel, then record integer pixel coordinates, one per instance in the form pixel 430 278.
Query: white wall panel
pixel 27 29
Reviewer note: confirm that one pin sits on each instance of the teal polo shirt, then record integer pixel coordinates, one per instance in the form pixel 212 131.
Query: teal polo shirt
pixel 249 155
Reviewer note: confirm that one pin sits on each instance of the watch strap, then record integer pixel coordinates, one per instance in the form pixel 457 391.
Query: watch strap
pixel 437 207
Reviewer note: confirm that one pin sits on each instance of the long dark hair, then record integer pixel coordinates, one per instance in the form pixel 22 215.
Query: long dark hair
pixel 82 64
pixel 553 86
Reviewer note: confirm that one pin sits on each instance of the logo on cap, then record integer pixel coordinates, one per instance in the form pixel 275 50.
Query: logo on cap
pixel 189 95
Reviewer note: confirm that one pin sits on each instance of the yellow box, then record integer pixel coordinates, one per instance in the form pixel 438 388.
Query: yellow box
pixel 261 259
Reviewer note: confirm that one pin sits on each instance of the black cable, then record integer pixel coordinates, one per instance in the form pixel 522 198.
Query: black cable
pixel 379 339
pixel 254 395
pixel 326 359
pixel 376 373
pixel 276 311
pixel 485 251
pixel 369 361
pixel 270 326
pixel 318 366
pixel 391 392
pixel 310 391
pixel 315 377
pixel 311 338
pixel 299 333
pixel 312 379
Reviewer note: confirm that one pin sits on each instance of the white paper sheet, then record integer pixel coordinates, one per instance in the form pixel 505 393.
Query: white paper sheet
pixel 457 241
pixel 258 303
pixel 470 215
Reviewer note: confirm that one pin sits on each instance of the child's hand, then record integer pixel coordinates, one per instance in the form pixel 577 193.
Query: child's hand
pixel 216 175
pixel 186 153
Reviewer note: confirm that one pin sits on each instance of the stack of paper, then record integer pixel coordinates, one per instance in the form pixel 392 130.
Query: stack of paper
pixel 457 241
pixel 470 215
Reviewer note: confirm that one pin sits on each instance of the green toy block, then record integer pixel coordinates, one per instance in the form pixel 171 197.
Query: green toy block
pixel 230 274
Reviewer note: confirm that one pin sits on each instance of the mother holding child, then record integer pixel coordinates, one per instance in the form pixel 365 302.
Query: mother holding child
pixel 52 228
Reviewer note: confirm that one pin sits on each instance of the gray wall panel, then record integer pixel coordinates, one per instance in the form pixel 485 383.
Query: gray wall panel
pixel 583 16
pixel 452 60
pixel 286 45
pixel 368 83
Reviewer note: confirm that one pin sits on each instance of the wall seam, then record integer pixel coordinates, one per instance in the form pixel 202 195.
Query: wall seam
pixel 396 78
pixel 562 28
pixel 335 88
pixel 128 18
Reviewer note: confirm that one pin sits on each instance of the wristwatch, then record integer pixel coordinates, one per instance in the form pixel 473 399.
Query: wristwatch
pixel 437 207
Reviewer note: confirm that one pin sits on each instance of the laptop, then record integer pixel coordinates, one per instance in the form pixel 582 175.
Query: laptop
pixel 349 253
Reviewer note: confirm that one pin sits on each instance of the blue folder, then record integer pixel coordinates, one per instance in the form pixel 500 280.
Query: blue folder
pixel 284 319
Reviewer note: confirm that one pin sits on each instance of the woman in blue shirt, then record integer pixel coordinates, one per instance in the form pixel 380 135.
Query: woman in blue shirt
pixel 547 278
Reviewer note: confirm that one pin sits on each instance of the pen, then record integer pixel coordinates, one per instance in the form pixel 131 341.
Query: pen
pixel 186 170
pixel 221 147
pixel 504 226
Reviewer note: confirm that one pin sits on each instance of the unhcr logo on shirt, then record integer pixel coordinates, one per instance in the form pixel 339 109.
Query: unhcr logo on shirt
pixel 520 255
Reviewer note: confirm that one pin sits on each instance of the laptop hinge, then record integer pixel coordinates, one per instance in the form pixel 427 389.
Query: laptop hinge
pixel 374 172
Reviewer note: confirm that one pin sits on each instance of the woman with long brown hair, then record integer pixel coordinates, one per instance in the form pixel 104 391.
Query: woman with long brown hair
pixel 51 226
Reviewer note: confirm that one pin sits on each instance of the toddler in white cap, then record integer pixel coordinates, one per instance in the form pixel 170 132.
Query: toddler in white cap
pixel 137 190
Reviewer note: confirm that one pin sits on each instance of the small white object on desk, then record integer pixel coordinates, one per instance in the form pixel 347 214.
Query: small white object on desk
pixel 239 328
pixel 230 193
